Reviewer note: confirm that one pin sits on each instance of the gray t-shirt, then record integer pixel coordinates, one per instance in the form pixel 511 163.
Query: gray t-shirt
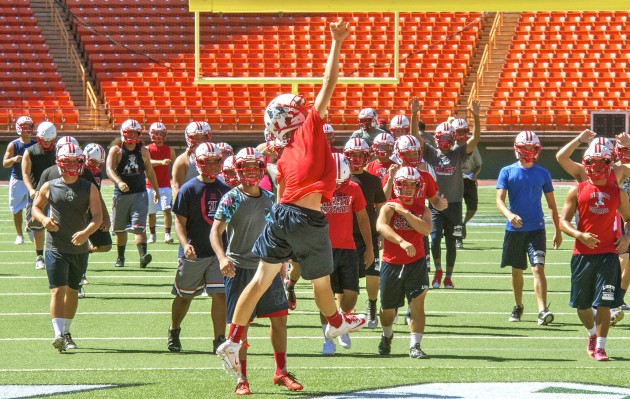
pixel 448 170
pixel 367 135
pixel 69 205
pixel 471 164
pixel 192 169
pixel 246 217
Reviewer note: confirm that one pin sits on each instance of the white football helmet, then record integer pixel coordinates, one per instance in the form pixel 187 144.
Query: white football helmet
pixel 527 147
pixel 250 166
pixel 408 183
pixel 602 141
pixel 197 133
pixel 268 135
pixel 130 131
pixel 284 114
pixel 94 157
pixel 357 151
pixel 24 124
pixel 368 119
pixel 399 126
pixel 445 136
pixel 343 169
pixel 597 161
pixel 66 140
pixel 157 132
pixel 70 160
pixel 329 133
pixel 226 149
pixel 208 160
pixel 408 150
pixel 229 172
pixel 462 130
pixel 46 135
pixel 383 145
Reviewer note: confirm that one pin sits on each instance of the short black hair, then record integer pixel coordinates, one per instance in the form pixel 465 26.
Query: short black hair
pixel 421 125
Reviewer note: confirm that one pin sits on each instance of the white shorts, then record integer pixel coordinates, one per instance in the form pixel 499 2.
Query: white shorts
pixel 166 199
pixel 18 195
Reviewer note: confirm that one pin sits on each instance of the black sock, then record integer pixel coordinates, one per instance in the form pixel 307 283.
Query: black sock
pixel 142 249
pixel 40 252
pixel 121 251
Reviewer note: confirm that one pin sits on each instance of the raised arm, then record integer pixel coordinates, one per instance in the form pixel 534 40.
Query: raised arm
pixel 415 108
pixel 563 156
pixel 339 31
pixel 472 142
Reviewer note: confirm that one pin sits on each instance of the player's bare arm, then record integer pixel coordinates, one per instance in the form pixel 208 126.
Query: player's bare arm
pixel 389 184
pixel 180 168
pixel 386 231
pixel 566 218
pixel 148 170
pixel 563 156
pixel 624 211
pixel 9 159
pixel 339 31
pixel 472 142
pixel 182 236
pixel 26 174
pixel 40 203
pixel 216 240
pixel 415 109
pixel 113 159
pixel 80 237
pixel 439 202
pixel 553 211
pixel 513 218
pixel 366 232
pixel 420 224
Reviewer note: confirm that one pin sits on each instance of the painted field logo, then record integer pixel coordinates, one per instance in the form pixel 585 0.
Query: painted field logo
pixel 495 390
pixel 30 391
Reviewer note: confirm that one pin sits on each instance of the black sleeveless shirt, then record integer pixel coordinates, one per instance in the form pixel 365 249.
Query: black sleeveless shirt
pixel 130 169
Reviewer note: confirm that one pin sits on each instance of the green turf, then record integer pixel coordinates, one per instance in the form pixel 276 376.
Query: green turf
pixel 121 330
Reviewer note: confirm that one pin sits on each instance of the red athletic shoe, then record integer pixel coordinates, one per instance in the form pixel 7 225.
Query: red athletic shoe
pixel 448 283
pixel 288 380
pixel 437 278
pixel 600 355
pixel 591 344
pixel 291 298
pixel 242 388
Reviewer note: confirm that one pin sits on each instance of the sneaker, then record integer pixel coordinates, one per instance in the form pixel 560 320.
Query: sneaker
pixel 19 240
pixel 600 355
pixel 228 352
pixel 329 347
pixel 545 317
pixel 385 346
pixel 350 323
pixel 517 312
pixel 145 260
pixel 458 231
pixel 120 262
pixel 68 341
pixel 84 280
pixel 174 344
pixel 39 263
pixel 408 317
pixel 168 239
pixel 371 312
pixel 437 278
pixel 448 283
pixel 151 239
pixel 242 388
pixel 625 307
pixel 81 293
pixel 459 243
pixel 288 380
pixel 291 298
pixel 345 341
pixel 217 342
pixel 396 317
pixel 616 315
pixel 591 344
pixel 416 353
pixel 59 344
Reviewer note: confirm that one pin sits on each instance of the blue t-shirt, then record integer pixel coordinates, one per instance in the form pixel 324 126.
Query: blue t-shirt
pixel 198 202
pixel 525 187
pixel 18 149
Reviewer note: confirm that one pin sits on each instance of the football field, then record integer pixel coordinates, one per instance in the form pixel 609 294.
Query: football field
pixel 121 327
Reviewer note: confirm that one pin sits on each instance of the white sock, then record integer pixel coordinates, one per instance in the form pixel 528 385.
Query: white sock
pixel 592 331
pixel 601 343
pixel 416 338
pixel 58 326
pixel 388 331
pixel 66 325
pixel 594 311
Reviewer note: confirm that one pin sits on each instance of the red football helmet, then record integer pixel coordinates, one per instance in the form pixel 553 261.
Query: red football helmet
pixel 527 147
pixel 408 150
pixel 358 153
pixel 383 145
pixel 130 131
pixel 208 160
pixel 229 172
pixel 157 132
pixel 70 160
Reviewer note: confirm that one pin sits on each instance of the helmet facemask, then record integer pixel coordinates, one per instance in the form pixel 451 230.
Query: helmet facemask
pixel 250 171
pixel 358 159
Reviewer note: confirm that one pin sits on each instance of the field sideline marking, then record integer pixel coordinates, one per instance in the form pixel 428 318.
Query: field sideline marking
pixel 169 295
pixel 97 277
pixel 319 338
pixel 295 312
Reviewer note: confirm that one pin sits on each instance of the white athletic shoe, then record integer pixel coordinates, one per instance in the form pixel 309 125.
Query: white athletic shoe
pixel 59 343
pixel 19 240
pixel 39 263
pixel 151 239
pixel 345 341
pixel 329 348
pixel 167 238
pixel 228 352
pixel 84 280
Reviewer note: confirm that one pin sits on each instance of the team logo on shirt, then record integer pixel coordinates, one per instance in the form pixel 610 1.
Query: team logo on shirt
pixel 400 223
pixel 338 204
pixel 209 204
pixel 132 167
pixel 444 167
pixel 70 195
pixel 599 206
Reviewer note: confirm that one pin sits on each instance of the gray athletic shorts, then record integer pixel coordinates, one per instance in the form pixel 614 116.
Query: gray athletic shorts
pixel 195 276
pixel 129 212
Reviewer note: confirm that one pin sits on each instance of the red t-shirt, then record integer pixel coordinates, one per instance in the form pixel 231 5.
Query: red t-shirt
pixel 339 211
pixel 392 252
pixel 306 165
pixel 379 169
pixel 161 171
pixel 427 190
pixel 597 211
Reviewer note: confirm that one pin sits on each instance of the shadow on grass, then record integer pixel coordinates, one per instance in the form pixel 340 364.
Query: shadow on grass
pixel 498 359
pixel 135 285
pixel 152 351
pixel 132 268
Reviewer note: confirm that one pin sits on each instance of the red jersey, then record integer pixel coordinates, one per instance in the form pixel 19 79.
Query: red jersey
pixel 161 171
pixel 339 212
pixel 379 169
pixel 306 165
pixel 597 210
pixel 335 150
pixel 428 189
pixel 392 252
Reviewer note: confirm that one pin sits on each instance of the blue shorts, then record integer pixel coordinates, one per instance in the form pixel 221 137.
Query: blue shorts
pixel 520 245
pixel 375 268
pixel 595 281
pixel 398 281
pixel 100 238
pixel 346 274
pixel 444 222
pixel 273 303
pixel 65 269
pixel 297 233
